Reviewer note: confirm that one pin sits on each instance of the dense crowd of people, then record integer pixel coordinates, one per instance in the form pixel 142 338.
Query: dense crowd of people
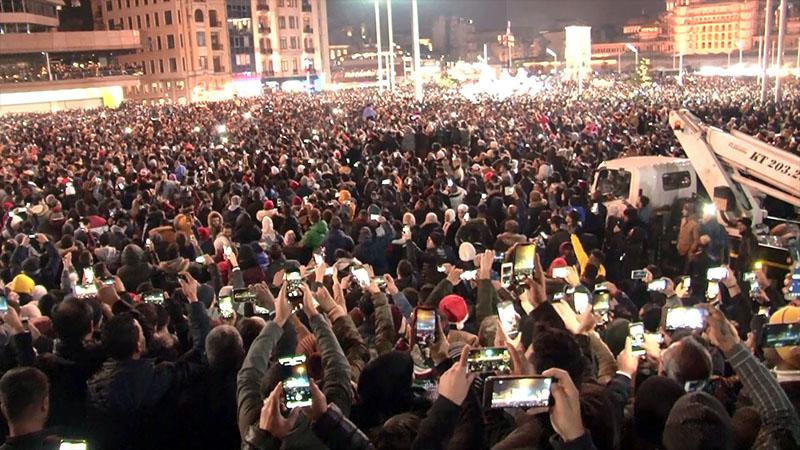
pixel 24 72
pixel 319 271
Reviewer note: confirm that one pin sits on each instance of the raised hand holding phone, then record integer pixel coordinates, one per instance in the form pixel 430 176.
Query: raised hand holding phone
pixel 485 269
pixel 454 384
pixel 627 362
pixel 319 404
pixel 308 302
pixel 271 419
pixel 282 307
pixel 188 285
pixel 720 332
pixel 565 414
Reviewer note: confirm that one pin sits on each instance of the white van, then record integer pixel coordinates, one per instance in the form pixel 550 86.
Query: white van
pixel 662 179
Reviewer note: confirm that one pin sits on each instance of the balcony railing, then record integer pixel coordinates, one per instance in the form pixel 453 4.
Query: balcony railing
pixel 266 51
pixel 268 73
pixel 260 6
pixel 308 29
pixel 216 47
pixel 309 49
pixel 215 24
pixel 61 72
pixel 264 30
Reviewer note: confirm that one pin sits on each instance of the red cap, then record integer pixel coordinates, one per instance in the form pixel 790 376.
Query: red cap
pixel 204 233
pixel 454 308
pixel 268 205
pixel 294 184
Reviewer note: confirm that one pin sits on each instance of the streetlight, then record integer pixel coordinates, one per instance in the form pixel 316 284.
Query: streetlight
pixel 391 45
pixel 47 61
pixel 740 46
pixel 378 43
pixel 552 53
pixel 635 51
pixel 415 33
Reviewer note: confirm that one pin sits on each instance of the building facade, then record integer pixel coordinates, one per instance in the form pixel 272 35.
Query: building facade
pixel 196 50
pixel 291 38
pixel 46 70
pixel 706 27
pixel 694 27
pixel 454 37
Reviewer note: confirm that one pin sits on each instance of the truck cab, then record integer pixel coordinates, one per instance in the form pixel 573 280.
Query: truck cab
pixel 662 179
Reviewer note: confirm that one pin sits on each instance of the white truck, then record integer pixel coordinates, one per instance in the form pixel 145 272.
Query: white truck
pixel 735 169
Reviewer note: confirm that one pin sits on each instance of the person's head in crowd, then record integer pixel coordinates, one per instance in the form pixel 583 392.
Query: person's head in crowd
pixel 698 421
pixel 397 433
pixel 554 347
pixel 653 402
pixel 72 321
pixel 224 348
pixel 24 400
pixel 688 362
pixel 123 338
pixel 249 328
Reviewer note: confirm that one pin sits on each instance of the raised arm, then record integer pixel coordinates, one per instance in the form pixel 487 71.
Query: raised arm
pixel 248 381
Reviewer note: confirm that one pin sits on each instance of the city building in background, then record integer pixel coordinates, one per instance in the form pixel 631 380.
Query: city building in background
pixel 292 39
pixel 43 69
pixel 454 37
pixel 198 51
pixel 700 28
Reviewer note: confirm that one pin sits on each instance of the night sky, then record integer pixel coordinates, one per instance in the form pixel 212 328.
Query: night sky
pixel 492 14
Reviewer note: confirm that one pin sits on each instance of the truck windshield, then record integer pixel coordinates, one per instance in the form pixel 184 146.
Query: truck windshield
pixel 614 183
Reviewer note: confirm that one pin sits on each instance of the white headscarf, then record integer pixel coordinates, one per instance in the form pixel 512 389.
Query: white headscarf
pixel 267 230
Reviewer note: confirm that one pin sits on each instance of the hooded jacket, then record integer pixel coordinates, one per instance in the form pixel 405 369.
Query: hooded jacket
pixel 135 269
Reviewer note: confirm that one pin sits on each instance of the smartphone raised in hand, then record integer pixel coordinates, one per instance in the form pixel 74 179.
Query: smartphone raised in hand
pixel 524 261
pixel 527 391
pixel 225 304
pixel 155 297
pixel 489 360
pixel 509 319
pixel 360 275
pixel 686 317
pixel 425 324
pixel 296 384
pixel 73 444
pixel 636 332
pixel 294 286
pixel 780 335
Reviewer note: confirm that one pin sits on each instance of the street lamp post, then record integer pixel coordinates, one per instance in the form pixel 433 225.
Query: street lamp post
pixel 378 43
pixel 552 53
pixel 415 38
pixel 635 51
pixel 391 45
pixel 767 41
pixel 47 61
pixel 740 45
pixel 779 55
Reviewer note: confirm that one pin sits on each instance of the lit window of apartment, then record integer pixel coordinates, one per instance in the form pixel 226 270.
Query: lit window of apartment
pixel 201 39
pixel 283 43
pixel 284 65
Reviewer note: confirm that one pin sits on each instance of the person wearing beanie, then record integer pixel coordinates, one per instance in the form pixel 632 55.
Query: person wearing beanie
pixel 698 421
pixel 785 360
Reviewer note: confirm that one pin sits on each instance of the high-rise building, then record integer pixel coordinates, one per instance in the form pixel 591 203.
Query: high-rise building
pixel 694 27
pixel 198 50
pixel 454 37
pixel 185 47
pixel 707 27
pixel 291 38
pixel 43 69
